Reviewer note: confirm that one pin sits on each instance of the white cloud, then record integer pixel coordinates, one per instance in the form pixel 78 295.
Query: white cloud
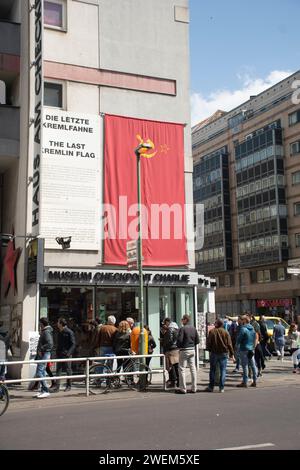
pixel 203 107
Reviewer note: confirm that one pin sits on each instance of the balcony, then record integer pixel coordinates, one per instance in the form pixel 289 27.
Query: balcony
pixel 9 50
pixel 9 136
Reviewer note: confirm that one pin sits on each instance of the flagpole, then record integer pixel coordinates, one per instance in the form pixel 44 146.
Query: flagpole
pixel 143 145
pixel 140 257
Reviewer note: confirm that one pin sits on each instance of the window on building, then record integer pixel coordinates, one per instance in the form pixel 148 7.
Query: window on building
pixel 281 274
pixel 284 241
pixel 267 275
pixel 294 118
pixel 227 280
pixel 297 208
pixel 242 279
pixel 55 14
pixel 53 94
pixel 296 177
pixel 295 148
pixel 280 180
pixel 275 240
pixel 268 242
pixel 260 277
pixel 297 240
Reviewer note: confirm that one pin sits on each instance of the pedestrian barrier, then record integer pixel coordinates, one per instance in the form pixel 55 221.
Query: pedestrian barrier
pixel 89 361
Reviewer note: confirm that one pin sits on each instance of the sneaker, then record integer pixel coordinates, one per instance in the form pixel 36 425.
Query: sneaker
pixel 208 389
pixel 253 384
pixel 295 371
pixel 221 390
pixel 67 389
pixel 182 392
pixel 242 385
pixel 43 395
pixel 36 395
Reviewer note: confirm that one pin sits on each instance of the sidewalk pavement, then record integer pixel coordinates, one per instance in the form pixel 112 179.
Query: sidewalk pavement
pixel 277 374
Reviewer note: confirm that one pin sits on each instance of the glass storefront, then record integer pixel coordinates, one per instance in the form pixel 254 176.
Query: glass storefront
pixel 76 304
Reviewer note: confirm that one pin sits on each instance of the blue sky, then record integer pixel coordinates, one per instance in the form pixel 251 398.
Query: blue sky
pixel 240 47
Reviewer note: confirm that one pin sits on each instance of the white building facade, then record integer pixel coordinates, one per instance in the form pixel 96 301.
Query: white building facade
pixel 127 58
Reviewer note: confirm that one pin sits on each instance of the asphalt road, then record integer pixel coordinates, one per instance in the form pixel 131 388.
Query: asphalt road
pixel 266 417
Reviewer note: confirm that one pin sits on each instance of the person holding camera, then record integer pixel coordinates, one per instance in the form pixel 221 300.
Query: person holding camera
pixel 246 342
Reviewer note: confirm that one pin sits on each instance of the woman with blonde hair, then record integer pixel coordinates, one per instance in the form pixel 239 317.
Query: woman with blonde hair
pixel 121 343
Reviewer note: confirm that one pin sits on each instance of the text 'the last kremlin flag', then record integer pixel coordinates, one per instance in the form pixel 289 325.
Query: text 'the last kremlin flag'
pixel 162 188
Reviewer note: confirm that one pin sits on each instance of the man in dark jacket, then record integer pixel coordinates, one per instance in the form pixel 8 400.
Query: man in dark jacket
pixel 44 348
pixel 171 352
pixel 187 340
pixel 65 348
pixel 220 346
pixel 264 336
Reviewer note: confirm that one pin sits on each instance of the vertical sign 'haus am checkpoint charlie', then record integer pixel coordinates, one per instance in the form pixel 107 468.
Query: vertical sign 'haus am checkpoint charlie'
pixel 37 68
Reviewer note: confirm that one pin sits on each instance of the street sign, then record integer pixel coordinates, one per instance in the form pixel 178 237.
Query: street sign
pixel 295 271
pixel 131 252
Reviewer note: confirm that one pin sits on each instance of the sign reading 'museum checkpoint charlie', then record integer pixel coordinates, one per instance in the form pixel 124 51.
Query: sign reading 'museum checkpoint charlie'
pixel 71 179
pixel 119 277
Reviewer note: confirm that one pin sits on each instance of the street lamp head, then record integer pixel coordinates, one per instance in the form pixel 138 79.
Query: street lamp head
pixel 143 145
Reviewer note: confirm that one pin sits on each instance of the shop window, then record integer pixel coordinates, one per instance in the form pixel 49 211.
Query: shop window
pixel 55 14
pixel 53 94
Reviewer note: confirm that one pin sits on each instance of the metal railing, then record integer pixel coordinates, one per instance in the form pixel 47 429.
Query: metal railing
pixel 89 361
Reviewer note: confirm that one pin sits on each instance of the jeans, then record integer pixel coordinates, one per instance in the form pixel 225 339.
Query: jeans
pixel 215 359
pixel 105 350
pixel 245 361
pixel 63 367
pixel 295 354
pixel 279 346
pixel 41 371
pixel 187 357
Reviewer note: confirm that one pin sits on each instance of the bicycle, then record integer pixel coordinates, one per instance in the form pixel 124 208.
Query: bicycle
pixel 4 398
pixel 133 381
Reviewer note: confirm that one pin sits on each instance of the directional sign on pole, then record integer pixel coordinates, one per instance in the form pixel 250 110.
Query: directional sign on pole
pixel 131 251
